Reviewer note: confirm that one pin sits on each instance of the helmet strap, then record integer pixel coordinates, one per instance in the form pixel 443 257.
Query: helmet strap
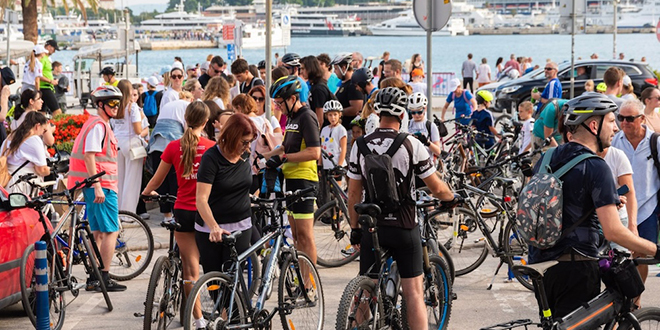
pixel 597 134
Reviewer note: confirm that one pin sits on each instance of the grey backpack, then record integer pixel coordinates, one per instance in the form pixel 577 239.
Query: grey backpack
pixel 539 216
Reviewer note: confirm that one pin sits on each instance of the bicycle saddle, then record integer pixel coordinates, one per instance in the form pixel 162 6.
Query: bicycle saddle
pixel 534 271
pixel 367 208
pixel 506 181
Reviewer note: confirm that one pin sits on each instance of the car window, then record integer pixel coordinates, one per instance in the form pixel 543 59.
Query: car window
pixel 630 70
pixel 566 75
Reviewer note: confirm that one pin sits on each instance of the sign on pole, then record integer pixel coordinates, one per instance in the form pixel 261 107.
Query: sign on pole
pixel 657 30
pixel 231 52
pixel 228 32
pixel 440 15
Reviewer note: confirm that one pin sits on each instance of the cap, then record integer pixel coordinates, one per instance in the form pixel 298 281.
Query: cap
pixel 53 44
pixel 8 76
pixel 39 49
pixel 152 81
pixel 627 81
pixel 453 84
pixel 205 66
pixel 418 72
pixel 191 67
pixel 165 69
pixel 177 65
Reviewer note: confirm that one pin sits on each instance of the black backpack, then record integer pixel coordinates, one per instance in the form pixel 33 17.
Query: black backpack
pixel 381 180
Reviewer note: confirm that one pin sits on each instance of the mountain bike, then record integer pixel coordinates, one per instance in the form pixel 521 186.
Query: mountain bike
pixel 225 298
pixel 78 248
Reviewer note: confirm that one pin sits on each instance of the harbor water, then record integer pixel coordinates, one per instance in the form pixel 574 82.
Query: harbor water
pixel 448 52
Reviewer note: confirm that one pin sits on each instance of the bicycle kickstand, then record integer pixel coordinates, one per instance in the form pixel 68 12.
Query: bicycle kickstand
pixel 495 275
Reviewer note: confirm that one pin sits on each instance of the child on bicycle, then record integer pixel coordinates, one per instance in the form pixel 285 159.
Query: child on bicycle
pixel 333 136
pixel 482 120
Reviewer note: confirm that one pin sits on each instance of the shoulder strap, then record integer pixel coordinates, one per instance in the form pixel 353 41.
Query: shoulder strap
pixel 428 128
pixel 545 164
pixel 568 166
pixel 362 146
pixel 654 151
pixel 576 224
pixel 398 141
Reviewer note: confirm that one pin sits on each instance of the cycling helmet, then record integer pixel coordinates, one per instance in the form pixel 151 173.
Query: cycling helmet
pixel 358 121
pixel 484 96
pixel 601 87
pixel 332 105
pixel 577 110
pixel 285 87
pixel 104 93
pixel 262 64
pixel 362 76
pixel 513 74
pixel 290 59
pixel 108 70
pixel 417 101
pixel 342 58
pixel 391 100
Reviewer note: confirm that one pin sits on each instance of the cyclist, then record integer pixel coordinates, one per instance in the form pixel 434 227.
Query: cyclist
pixel 95 150
pixel 588 191
pixel 400 235
pixel 348 94
pixel 420 127
pixel 291 62
pixel 108 75
pixel 300 151
pixel 483 119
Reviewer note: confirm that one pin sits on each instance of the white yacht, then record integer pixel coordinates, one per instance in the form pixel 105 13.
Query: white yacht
pixel 312 25
pixel 405 25
pixel 254 36
pixel 181 20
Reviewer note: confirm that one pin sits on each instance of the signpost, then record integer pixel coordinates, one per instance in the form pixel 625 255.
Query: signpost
pixel 571 12
pixel 231 52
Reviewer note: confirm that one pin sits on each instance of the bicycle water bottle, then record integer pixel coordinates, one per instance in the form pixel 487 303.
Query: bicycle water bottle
pixel 535 90
pixel 390 285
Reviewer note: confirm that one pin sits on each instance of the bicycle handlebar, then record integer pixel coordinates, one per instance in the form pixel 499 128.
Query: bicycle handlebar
pixel 159 198
pixel 289 196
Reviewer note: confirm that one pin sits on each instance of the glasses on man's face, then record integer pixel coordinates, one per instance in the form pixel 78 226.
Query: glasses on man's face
pixel 549 69
pixel 112 103
pixel 279 103
pixel 176 76
pixel 417 112
pixel 629 119
pixel 258 99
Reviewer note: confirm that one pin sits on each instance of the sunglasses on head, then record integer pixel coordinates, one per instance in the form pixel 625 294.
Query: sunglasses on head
pixel 112 103
pixel 629 119
pixel 417 112
pixel 176 76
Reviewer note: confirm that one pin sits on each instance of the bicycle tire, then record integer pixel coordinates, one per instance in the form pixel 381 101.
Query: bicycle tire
pixel 502 119
pixel 645 316
pixel 331 244
pixel 164 304
pixel 207 285
pixel 516 251
pixel 361 289
pixel 93 264
pixel 468 252
pixel 255 274
pixel 57 303
pixel 135 247
pixel 444 254
pixel 290 293
pixel 438 293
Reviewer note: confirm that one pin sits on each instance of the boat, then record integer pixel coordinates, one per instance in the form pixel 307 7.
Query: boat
pixel 405 25
pixel 312 25
pixel 182 20
pixel 253 35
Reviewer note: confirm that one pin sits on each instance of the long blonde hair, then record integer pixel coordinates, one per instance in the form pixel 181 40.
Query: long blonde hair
pixel 33 60
pixel 217 87
pixel 126 87
pixel 197 113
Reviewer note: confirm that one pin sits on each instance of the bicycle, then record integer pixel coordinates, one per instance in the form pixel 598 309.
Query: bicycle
pixel 331 226
pixel 80 247
pixel 374 300
pixel 224 296
pixel 613 307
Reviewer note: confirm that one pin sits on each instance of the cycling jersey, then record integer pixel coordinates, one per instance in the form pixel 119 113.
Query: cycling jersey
pixel 302 131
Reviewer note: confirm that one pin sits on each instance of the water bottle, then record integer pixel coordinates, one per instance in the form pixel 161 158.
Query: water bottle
pixel 390 284
pixel 535 90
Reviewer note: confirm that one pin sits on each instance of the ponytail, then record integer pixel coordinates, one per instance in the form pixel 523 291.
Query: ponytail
pixel 33 59
pixel 189 143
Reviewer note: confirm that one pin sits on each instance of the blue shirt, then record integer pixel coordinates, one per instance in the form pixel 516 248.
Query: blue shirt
pixel 333 83
pixel 552 89
pixel 645 176
pixel 483 120
pixel 462 105
pixel 304 94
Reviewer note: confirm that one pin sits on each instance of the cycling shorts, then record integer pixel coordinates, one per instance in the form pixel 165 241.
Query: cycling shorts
pixel 302 209
pixel 186 219
pixel 405 246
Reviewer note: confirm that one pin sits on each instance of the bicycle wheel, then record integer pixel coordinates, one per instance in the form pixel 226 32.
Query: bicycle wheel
pixel 333 240
pixel 57 304
pixel 438 293
pixel 502 120
pixel 516 251
pixel 360 305
pixel 213 291
pixel 163 295
pixel 252 269
pixel 89 260
pixel 134 250
pixel 300 310
pixel 648 318
pixel 468 249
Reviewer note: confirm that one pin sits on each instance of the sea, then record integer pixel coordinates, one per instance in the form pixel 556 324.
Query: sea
pixel 448 52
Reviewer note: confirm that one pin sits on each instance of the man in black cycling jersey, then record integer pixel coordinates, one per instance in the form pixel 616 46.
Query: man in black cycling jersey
pixel 401 235
pixel 588 188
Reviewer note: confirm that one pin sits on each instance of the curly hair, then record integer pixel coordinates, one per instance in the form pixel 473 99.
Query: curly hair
pixel 217 87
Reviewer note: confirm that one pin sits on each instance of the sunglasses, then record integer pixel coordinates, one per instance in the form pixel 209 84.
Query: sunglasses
pixel 416 112
pixel 112 103
pixel 259 99
pixel 629 119
pixel 176 76
pixel 549 69
pixel 246 143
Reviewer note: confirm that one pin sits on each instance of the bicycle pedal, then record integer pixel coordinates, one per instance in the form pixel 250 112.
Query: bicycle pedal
pixel 481 239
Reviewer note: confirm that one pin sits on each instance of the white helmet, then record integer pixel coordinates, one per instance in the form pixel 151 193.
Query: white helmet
pixel 391 100
pixel 417 101
pixel 342 58
pixel 513 74
pixel 332 105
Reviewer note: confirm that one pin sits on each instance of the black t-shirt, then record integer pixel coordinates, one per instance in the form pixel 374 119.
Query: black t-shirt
pixel 587 186
pixel 230 186
pixel 204 79
pixel 247 86
pixel 319 93
pixel 302 131
pixel 346 93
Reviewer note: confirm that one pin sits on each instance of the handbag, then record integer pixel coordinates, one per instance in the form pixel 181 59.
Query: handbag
pixel 137 150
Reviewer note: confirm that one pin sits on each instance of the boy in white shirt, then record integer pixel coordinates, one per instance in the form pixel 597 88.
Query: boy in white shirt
pixel 333 136
pixel 525 111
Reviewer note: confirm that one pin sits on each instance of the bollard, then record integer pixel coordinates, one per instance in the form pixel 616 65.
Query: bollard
pixel 41 272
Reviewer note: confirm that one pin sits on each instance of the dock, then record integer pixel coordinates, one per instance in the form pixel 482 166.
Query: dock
pixel 550 30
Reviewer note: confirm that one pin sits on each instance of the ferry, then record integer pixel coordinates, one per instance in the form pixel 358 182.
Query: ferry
pixel 405 25
pixel 182 20
pixel 312 25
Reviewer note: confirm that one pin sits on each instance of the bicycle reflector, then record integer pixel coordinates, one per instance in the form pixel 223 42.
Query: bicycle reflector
pixel 507 199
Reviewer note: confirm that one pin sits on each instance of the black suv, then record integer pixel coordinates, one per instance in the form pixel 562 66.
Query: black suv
pixel 512 93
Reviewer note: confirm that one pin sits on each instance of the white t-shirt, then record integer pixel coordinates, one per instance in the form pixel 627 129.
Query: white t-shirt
pixel 168 96
pixel 175 110
pixel 418 87
pixel 526 134
pixel 17 122
pixel 219 102
pixel 94 141
pixel 628 97
pixel 274 123
pixel 619 165
pixel 123 128
pixel 483 70
pixel 30 76
pixel 32 149
pixel 373 122
pixel 330 138
pixel 420 127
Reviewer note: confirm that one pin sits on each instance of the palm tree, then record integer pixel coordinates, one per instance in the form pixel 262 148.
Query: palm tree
pixel 30 27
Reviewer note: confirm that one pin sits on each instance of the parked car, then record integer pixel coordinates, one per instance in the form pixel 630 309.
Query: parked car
pixel 18 229
pixel 512 93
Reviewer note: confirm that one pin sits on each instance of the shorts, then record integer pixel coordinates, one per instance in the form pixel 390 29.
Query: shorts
pixel 405 246
pixel 302 209
pixel 186 219
pixel 50 101
pixel 648 229
pixel 103 217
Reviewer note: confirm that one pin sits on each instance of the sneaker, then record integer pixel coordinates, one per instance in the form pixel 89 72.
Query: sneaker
pixel 348 251
pixel 145 216
pixel 112 286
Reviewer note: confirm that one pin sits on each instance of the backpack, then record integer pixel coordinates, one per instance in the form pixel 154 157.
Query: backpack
pixel 555 102
pixel 539 216
pixel 654 155
pixel 381 181
pixel 150 107
pixel 267 140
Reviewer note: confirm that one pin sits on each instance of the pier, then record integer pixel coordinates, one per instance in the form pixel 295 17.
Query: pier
pixel 550 30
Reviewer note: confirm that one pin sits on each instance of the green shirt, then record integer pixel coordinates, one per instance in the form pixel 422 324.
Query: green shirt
pixel 47 72
pixel 548 119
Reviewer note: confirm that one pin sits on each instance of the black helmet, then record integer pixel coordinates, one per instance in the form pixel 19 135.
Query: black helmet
pixel 108 70
pixel 262 64
pixel 391 100
pixel 362 76
pixel 285 87
pixel 577 110
pixel 291 59
pixel 104 93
